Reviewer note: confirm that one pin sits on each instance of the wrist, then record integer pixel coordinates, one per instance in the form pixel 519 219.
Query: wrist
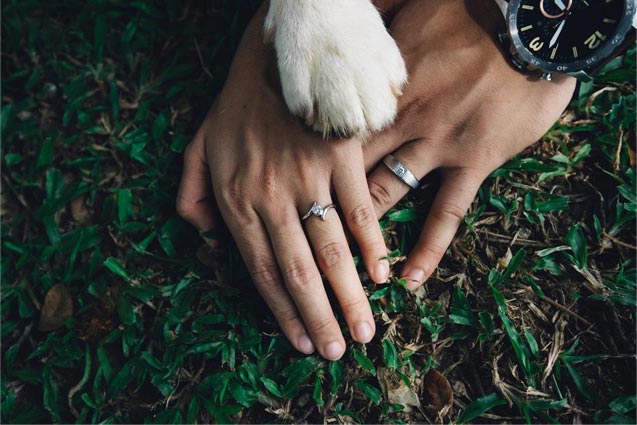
pixel 550 40
pixel 254 60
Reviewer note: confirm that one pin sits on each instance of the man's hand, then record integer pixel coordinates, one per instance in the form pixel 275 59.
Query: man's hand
pixel 465 112
pixel 267 169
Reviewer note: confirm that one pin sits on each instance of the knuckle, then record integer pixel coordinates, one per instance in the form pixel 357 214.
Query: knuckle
pixel 265 274
pixel 298 273
pixel 452 212
pixel 321 325
pixel 380 195
pixel 434 251
pixel 356 304
pixel 236 199
pixel 331 255
pixel 289 316
pixel 361 216
pixel 232 193
pixel 186 210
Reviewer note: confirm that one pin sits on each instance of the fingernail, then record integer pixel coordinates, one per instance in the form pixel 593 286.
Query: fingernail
pixel 334 350
pixel 305 344
pixel 364 332
pixel 381 270
pixel 415 277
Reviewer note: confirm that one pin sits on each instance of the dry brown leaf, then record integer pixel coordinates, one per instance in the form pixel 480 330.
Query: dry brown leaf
pixel 58 306
pixel 395 390
pixel 78 209
pixel 460 389
pixel 568 117
pixel 556 347
pixel 95 328
pixel 505 259
pixel 592 282
pixel 437 394
pixel 592 97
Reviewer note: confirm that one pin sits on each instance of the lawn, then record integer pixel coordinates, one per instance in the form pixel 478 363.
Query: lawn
pixel 113 310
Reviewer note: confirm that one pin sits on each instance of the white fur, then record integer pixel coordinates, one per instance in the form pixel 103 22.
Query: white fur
pixel 339 68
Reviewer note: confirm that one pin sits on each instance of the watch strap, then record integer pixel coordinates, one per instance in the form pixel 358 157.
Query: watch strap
pixel 503 5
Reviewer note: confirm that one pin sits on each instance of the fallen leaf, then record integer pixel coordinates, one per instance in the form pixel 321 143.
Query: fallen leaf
pixel 58 306
pixel 437 394
pixel 568 118
pixel 505 259
pixel 95 329
pixel 395 390
pixel 460 389
pixel 556 347
pixel 592 97
pixel 78 210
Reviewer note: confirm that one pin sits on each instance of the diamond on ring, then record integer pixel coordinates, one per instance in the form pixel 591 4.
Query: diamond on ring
pixel 317 211
pixel 401 171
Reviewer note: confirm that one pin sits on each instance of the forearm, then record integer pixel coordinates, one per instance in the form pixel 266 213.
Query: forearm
pixel 253 55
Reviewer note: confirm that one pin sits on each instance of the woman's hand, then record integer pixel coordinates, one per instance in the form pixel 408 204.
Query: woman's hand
pixel 465 112
pixel 267 169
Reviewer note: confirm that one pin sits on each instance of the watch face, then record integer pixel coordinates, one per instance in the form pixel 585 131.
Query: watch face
pixel 568 35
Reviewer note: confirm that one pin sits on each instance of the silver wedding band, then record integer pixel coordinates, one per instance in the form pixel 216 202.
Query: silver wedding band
pixel 402 172
pixel 317 211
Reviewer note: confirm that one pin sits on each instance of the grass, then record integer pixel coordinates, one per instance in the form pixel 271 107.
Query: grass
pixel 114 311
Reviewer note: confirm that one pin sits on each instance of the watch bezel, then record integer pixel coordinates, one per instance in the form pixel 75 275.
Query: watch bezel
pixel 585 63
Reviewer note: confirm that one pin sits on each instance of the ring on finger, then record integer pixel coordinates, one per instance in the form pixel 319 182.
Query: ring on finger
pixel 401 171
pixel 317 211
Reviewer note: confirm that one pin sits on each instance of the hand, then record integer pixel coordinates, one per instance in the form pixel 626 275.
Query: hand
pixel 464 112
pixel 267 169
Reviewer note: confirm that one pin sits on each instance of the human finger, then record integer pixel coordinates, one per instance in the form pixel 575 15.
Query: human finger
pixel 252 240
pixel 303 281
pixel 336 262
pixel 386 188
pixel 387 140
pixel 195 201
pixel 350 186
pixel 450 205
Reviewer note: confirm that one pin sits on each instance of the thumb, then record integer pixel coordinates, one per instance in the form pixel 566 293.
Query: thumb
pixel 195 200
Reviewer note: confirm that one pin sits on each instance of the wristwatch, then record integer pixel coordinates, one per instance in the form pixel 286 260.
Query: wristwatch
pixel 574 37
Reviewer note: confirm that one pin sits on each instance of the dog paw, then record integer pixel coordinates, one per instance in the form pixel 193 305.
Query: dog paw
pixel 340 70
